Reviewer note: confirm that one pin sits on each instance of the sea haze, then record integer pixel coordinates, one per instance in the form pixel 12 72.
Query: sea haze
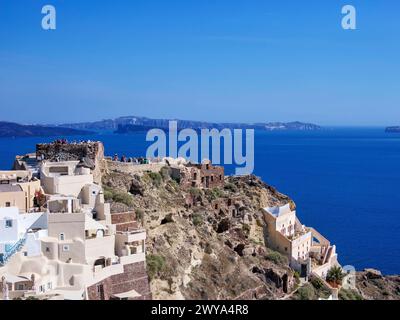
pixel 343 180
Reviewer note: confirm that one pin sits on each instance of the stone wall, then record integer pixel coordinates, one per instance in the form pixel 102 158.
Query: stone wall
pixel 124 221
pixel 202 176
pixel 70 151
pixel 134 277
pixel 131 168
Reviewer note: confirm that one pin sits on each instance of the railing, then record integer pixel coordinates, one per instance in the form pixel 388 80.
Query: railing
pixel 13 250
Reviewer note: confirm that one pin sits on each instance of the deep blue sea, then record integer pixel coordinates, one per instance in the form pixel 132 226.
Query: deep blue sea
pixel 345 182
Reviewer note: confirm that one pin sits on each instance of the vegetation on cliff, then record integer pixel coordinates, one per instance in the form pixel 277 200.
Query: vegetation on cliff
pixel 197 252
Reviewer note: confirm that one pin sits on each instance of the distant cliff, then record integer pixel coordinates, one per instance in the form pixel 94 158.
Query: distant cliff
pixel 134 124
pixel 393 129
pixel 10 129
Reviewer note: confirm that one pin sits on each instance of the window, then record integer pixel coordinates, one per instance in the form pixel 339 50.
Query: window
pixel 25 254
pixel 8 204
pixel 65 248
pixel 20 287
pixel 62 236
pixel 49 286
pixel 9 223
pixel 47 249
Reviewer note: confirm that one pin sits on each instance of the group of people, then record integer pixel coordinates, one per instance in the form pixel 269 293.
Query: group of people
pixel 130 160
pixel 65 141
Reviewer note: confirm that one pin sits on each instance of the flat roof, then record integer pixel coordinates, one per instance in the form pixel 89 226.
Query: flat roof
pixel 10 187
pixel 126 295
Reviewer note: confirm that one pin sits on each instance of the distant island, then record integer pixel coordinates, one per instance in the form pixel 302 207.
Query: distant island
pixel 123 125
pixel 393 129
pixel 10 129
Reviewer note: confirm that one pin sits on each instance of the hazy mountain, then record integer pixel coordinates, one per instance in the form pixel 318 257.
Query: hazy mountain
pixel 393 129
pixel 10 129
pixel 132 124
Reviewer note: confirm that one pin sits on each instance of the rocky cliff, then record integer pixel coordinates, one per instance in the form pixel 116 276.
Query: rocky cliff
pixel 209 244
pixel 195 251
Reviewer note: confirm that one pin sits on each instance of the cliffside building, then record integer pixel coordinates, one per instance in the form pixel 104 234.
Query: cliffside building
pixel 203 175
pixel 77 253
pixel 307 250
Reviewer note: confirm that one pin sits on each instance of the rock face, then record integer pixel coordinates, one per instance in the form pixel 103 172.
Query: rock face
pixel 196 251
pixel 372 285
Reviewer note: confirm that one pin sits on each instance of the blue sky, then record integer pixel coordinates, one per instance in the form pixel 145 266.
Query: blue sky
pixel 215 60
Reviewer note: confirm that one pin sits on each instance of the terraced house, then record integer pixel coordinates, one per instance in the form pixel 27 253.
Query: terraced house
pixel 73 248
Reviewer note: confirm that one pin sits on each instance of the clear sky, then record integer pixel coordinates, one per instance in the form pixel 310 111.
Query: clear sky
pixel 214 60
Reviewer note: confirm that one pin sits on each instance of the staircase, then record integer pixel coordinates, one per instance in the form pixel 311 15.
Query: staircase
pixel 4 258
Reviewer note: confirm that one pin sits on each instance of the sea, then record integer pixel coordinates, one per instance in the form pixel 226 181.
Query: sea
pixel 345 182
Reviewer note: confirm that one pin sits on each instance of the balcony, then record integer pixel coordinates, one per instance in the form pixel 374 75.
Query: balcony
pixel 132 235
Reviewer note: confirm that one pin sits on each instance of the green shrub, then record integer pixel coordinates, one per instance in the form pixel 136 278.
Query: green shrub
pixel 277 258
pixel 156 178
pixel 123 197
pixel 349 294
pixel 197 219
pixel 214 193
pixel 155 264
pixel 321 289
pixel 230 187
pixel 117 196
pixel 108 195
pixel 305 293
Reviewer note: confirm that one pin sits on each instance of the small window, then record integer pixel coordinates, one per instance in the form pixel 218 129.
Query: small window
pixel 20 287
pixel 47 249
pixel 8 204
pixel 9 223
pixel 62 236
pixel 65 248
pixel 99 288
pixel 49 286
pixel 25 254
